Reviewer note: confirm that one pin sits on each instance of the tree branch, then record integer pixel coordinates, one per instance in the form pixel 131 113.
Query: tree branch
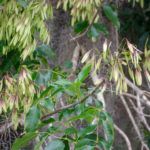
pixel 144 100
pixel 82 34
pixel 133 122
pixel 72 105
pixel 124 136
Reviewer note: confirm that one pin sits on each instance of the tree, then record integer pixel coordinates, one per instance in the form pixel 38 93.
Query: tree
pixel 59 105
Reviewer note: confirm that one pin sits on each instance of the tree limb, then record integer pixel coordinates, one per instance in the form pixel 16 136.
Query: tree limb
pixel 134 123
pixel 72 105
pixel 82 34
pixel 124 136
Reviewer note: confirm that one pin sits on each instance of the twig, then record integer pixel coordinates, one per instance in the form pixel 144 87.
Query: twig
pixel 124 136
pixel 96 80
pixel 133 122
pixel 140 109
pixel 144 100
pixel 75 59
pixel 134 107
pixel 81 35
pixel 140 114
pixel 72 105
pixel 134 87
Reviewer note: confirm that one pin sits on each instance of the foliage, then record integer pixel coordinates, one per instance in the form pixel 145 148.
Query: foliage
pixel 111 15
pixel 85 113
pixel 134 60
pixel 20 20
pixel 22 24
pixel 138 1
pixel 81 11
pixel 32 90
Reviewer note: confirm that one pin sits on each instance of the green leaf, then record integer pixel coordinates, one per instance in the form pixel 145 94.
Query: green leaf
pixel 50 120
pixel 147 137
pixel 22 3
pixel 84 73
pixel 54 129
pixel 32 119
pixel 47 103
pixel 46 92
pixel 1 1
pixel 80 26
pixel 103 144
pixel 45 51
pixel 86 147
pixel 108 129
pixel 23 141
pixel 84 142
pixel 63 82
pixel 73 89
pixel 93 32
pixel 46 122
pixel 88 130
pixel 88 115
pixel 43 78
pixel 70 130
pixel 101 28
pixel 55 145
pixel 39 144
pixel 66 142
pixel 68 64
pixel 65 113
pixel 111 15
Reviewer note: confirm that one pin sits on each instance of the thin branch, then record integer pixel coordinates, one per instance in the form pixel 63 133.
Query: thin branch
pixel 72 105
pixel 140 114
pixel 134 107
pixel 144 100
pixel 140 109
pixel 82 34
pixel 75 59
pixel 134 87
pixel 133 122
pixel 124 136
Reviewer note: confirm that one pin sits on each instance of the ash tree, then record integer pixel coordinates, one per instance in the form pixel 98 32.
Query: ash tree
pixel 65 105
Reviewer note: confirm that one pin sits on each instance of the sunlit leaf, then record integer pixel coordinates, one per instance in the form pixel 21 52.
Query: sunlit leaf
pixel 84 143
pixel 70 130
pixel 84 73
pixel 47 103
pixel 101 28
pixel 32 119
pixel 80 26
pixel 111 15
pixel 23 3
pixel 23 141
pixel 55 145
pixel 88 130
pixel 93 32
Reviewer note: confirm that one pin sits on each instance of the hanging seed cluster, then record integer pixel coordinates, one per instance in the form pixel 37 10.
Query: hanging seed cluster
pixel 19 22
pixel 128 61
pixel 81 9
pixel 16 94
